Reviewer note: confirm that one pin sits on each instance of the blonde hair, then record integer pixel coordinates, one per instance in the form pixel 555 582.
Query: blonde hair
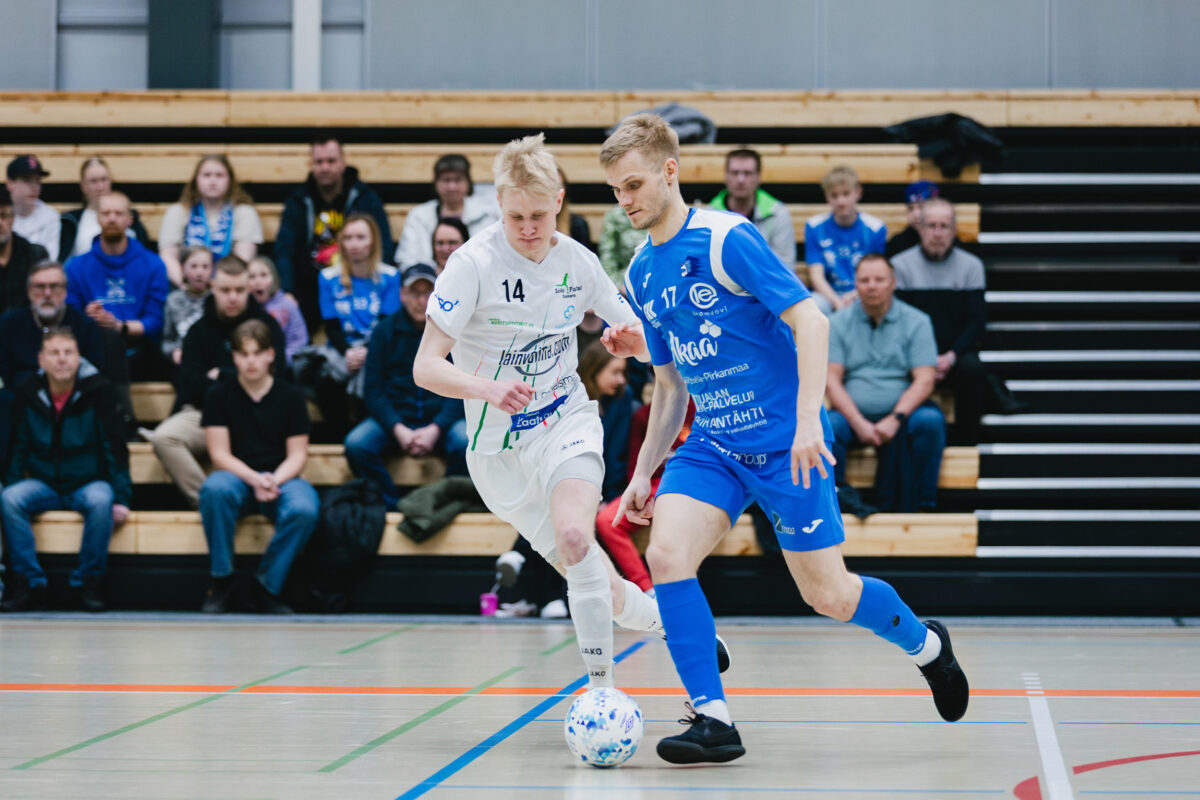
pixel 526 164
pixel 374 257
pixel 647 133
pixel 271 268
pixel 840 176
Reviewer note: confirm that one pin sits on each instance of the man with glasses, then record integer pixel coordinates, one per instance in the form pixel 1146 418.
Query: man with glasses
pixel 17 255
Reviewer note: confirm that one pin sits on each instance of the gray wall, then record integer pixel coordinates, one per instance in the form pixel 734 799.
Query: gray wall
pixel 635 44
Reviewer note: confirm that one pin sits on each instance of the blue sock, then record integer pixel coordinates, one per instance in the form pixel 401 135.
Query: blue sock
pixel 691 638
pixel 881 610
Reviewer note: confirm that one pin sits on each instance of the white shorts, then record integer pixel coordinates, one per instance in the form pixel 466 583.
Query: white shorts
pixel 515 485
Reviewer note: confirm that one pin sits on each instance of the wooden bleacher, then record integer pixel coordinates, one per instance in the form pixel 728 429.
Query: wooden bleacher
pixel 180 533
pixel 591 109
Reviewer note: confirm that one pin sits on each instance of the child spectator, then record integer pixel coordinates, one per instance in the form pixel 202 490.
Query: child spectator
pixel 603 376
pixel 69 454
pixel 185 305
pixel 81 226
pixel 450 234
pixel 264 285
pixel 213 211
pixel 256 428
pixel 836 240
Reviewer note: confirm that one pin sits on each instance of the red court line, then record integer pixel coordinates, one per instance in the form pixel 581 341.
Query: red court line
pixel 766 691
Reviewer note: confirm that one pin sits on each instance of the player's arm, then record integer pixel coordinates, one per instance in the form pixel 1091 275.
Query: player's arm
pixel 668 409
pixel 810 329
pixel 432 371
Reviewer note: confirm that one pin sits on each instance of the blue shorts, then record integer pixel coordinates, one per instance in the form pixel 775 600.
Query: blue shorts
pixel 804 519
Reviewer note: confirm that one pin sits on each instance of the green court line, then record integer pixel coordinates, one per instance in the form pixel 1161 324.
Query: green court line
pixel 142 723
pixel 557 647
pixel 370 642
pixel 415 721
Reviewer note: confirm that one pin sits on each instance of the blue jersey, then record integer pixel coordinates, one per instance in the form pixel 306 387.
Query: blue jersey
pixel 363 304
pixel 710 300
pixel 839 249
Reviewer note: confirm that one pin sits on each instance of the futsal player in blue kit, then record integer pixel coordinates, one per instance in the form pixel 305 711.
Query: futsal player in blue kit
pixel 728 323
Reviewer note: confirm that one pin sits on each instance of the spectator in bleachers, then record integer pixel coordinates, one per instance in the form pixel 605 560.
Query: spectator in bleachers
pixel 17 255
pixel 603 376
pixel 69 453
pixel 915 195
pixel 256 428
pixel 618 240
pixel 81 226
pixel 33 220
pixel 743 195
pixel 455 198
pixel 185 305
pixel 179 439
pixel 355 293
pixel 213 211
pixel 836 240
pixel 572 225
pixel 449 235
pixel 404 418
pixel 882 358
pixel 264 285
pixel 313 217
pixel 123 287
pixel 948 284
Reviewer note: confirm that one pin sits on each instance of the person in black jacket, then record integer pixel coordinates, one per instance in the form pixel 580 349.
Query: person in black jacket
pixel 17 255
pixel 404 418
pixel 179 439
pixel 312 218
pixel 69 454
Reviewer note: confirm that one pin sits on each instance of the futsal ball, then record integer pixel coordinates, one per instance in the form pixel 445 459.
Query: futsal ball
pixel 604 727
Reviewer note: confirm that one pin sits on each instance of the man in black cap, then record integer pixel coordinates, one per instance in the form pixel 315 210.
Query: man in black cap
pixel 312 219
pixel 34 220
pixel 455 198
pixel 17 256
pixel 404 418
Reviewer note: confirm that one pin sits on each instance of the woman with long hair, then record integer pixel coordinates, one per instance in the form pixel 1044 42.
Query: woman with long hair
pixel 80 226
pixel 213 211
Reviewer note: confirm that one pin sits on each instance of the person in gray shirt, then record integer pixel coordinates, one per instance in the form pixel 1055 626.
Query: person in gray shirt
pixel 882 362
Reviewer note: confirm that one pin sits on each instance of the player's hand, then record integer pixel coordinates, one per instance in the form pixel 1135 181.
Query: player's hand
pixel 508 396
pixel 809 449
pixel 637 503
pixel 625 341
pixel 887 428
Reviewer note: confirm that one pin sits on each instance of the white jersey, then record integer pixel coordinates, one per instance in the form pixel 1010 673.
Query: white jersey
pixel 514 319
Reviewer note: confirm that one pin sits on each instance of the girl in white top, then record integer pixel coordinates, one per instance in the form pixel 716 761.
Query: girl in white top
pixel 213 211
pixel 507 306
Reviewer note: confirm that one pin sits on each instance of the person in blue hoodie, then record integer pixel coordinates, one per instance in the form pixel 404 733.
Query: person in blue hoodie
pixel 123 287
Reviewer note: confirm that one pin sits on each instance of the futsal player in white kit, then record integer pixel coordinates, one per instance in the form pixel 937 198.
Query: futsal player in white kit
pixel 506 308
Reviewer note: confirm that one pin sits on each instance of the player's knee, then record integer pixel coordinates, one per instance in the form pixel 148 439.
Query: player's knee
pixel 572 545
pixel 664 562
pixel 830 600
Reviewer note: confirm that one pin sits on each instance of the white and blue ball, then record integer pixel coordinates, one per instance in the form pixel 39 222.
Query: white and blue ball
pixel 604 727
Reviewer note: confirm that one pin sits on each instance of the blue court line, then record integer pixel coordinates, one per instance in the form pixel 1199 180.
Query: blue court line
pixel 508 730
pixel 609 790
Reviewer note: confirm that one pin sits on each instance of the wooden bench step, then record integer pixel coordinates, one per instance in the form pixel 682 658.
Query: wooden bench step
pixel 180 533
pixel 327 466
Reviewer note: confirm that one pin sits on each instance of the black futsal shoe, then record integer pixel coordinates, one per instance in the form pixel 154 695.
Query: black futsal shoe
pixel 706 740
pixel 945 677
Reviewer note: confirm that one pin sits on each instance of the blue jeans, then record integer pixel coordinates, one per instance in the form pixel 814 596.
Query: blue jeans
pixel 368 444
pixel 22 501
pixel 225 498
pixel 925 432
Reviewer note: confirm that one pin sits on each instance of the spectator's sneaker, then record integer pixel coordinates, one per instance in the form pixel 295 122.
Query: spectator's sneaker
pixel 521 608
pixel 706 740
pixel 555 609
pixel 26 598
pixel 851 502
pixel 260 601
pixel 90 598
pixel 945 677
pixel 216 599
pixel 723 657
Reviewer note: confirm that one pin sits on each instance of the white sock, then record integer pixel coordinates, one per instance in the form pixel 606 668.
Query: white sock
pixel 640 612
pixel 590 597
pixel 717 709
pixel 929 651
